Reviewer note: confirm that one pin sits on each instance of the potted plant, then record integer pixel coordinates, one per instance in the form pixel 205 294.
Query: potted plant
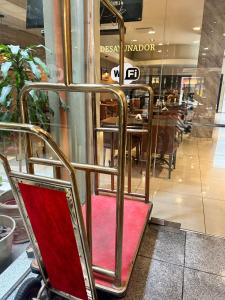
pixel 18 67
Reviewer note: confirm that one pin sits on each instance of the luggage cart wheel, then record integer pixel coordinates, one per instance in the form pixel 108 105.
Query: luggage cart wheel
pixel 29 289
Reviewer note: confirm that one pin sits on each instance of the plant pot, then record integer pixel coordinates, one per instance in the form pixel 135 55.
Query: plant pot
pixel 6 242
pixel 9 208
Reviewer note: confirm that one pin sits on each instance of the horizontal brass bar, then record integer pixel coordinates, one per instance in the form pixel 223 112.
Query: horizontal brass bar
pixel 40 179
pixel 113 129
pixel 125 193
pixel 82 167
pixel 103 271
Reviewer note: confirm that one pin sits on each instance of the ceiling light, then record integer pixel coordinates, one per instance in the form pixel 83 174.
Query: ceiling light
pixel 223 34
pixel 206 48
pixel 159 51
pixel 160 44
pixel 196 28
pixel 151 31
pixel 133 40
pixel 204 54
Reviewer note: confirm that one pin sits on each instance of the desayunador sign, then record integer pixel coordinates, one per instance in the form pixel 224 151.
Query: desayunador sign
pixel 128 48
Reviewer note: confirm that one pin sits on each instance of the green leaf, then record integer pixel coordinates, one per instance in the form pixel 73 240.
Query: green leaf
pixel 6 116
pixel 5 92
pixel 38 61
pixel 14 49
pixel 34 69
pixel 33 95
pixel 5 68
pixel 4 48
pixel 24 54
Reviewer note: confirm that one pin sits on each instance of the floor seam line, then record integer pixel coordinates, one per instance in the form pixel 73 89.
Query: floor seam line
pixel 203 207
pixel 161 260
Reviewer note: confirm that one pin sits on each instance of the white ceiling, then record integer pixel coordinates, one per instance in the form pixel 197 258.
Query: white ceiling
pixel 172 20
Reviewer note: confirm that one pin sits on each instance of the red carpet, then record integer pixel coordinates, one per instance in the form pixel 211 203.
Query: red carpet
pixel 104 228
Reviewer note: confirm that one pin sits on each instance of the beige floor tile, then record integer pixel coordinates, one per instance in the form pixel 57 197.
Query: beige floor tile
pixel 213 188
pixel 187 187
pixel 154 186
pixel 214 216
pixel 212 170
pixel 178 208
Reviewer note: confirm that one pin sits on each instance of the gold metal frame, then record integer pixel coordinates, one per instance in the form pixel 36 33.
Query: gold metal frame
pixel 90 88
pixel 73 200
pixel 62 162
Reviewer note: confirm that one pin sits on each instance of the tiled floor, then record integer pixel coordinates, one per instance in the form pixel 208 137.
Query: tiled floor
pixel 174 264
pixel 195 194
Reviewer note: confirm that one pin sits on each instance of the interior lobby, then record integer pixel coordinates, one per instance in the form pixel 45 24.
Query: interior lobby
pixel 154 136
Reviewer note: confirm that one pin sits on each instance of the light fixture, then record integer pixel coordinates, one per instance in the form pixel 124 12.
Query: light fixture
pixel 206 48
pixel 223 34
pixel 160 44
pixel 159 51
pixel 151 30
pixel 133 40
pixel 204 54
pixel 197 28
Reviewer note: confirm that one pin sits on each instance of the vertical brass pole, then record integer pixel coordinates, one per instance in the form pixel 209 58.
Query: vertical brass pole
pixel 149 146
pixel 25 119
pixel 67 42
pixel 129 158
pixel 89 212
pixel 121 59
pixel 95 140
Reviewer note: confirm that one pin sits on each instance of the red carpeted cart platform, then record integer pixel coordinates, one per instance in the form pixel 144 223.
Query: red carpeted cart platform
pixel 136 216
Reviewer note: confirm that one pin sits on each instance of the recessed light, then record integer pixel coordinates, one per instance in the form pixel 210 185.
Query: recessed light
pixel 160 44
pixel 206 48
pixel 133 40
pixel 223 34
pixel 197 28
pixel 159 51
pixel 204 54
pixel 151 31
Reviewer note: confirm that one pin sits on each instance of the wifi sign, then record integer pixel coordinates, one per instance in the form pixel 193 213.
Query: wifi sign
pixel 130 73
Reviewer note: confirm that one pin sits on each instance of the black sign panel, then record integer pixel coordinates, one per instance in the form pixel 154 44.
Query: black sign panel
pixel 131 10
pixel 35 17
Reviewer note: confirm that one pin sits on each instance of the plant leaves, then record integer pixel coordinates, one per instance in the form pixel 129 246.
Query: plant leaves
pixel 14 49
pixel 24 54
pixel 33 95
pixel 34 69
pixel 6 116
pixel 38 61
pixel 5 68
pixel 4 48
pixel 5 92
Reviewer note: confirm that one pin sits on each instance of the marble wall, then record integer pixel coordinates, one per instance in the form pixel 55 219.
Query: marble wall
pixel 210 61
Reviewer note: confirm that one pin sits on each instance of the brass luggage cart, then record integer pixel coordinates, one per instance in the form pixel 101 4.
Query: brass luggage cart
pixel 105 233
